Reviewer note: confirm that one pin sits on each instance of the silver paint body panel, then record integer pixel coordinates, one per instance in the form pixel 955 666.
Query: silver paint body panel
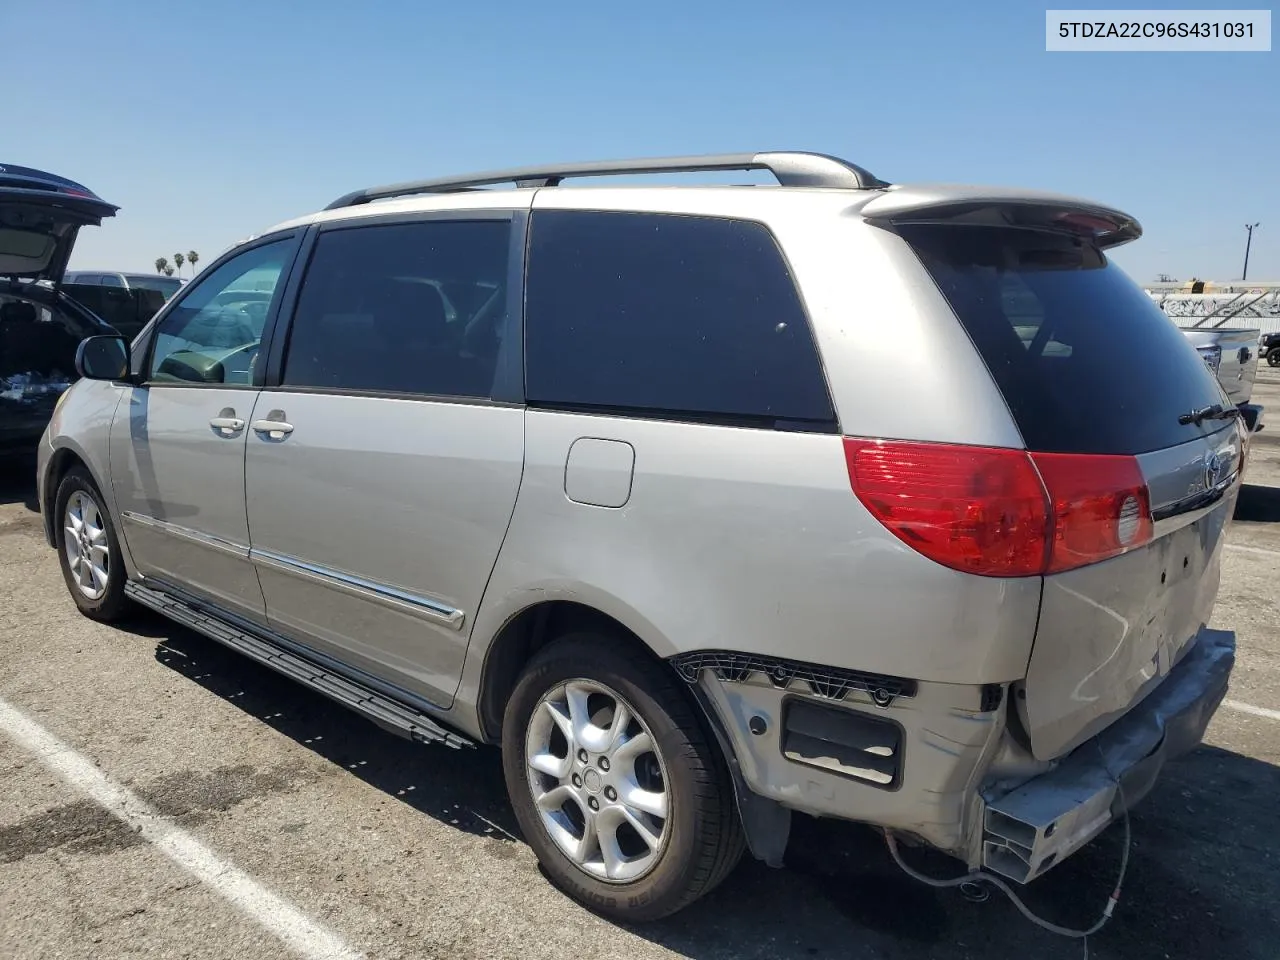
pixel 408 498
pixel 179 490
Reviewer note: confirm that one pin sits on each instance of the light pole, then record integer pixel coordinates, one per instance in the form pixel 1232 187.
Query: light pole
pixel 1244 274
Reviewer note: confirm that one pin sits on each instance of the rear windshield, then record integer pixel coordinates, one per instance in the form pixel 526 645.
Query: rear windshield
pixel 1086 361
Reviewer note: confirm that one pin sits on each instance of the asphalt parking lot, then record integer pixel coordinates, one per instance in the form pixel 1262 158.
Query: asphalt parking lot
pixel 380 848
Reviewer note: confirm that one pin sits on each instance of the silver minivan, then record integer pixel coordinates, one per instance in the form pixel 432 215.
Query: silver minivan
pixel 899 504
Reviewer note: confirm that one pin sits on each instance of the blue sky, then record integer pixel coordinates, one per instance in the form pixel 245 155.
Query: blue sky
pixel 207 122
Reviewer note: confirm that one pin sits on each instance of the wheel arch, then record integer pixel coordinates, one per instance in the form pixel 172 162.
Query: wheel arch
pixel 65 457
pixel 526 632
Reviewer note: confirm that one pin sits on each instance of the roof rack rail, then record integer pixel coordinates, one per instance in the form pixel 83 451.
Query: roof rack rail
pixel 793 169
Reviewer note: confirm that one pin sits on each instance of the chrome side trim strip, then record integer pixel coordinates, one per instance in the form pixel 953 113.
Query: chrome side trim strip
pixel 390 597
pixel 190 536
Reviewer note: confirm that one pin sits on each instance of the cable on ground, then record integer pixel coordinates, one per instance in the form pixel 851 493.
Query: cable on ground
pixel 976 877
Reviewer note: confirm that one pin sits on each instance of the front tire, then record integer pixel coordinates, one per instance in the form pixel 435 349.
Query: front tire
pixel 1273 357
pixel 620 793
pixel 88 548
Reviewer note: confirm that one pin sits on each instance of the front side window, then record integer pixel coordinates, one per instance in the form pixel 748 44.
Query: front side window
pixel 662 315
pixel 405 308
pixel 214 333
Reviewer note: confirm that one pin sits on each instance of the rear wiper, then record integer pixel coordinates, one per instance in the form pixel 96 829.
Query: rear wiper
pixel 1214 412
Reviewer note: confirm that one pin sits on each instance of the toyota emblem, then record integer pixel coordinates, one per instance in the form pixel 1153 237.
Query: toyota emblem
pixel 1212 470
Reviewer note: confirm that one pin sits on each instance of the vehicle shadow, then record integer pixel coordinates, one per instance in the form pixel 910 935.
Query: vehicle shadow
pixel 1258 504
pixel 469 794
pixel 1200 880
pixel 18 480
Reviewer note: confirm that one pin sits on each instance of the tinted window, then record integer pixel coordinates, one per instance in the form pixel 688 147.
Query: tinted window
pixel 1085 360
pixel 213 334
pixel 110 280
pixel 667 314
pixel 164 285
pixel 402 308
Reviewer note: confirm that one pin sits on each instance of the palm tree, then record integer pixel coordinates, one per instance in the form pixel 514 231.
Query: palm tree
pixel 178 260
pixel 168 271
pixel 162 264
pixel 193 258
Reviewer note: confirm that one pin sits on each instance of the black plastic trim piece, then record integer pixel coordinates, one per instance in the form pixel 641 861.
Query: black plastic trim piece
pixel 992 696
pixel 388 395
pixel 827 738
pixel 386 712
pixel 508 377
pixel 1194 502
pixel 829 683
pixel 415 216
pixel 268 374
pixel 765 822
pixel 742 421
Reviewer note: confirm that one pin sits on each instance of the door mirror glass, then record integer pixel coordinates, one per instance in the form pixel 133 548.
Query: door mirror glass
pixel 103 358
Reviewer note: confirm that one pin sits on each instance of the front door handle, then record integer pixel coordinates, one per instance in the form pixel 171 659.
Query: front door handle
pixel 226 423
pixel 274 426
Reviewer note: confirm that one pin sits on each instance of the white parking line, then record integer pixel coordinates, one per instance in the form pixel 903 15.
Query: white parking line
pixel 1262 551
pixel 292 927
pixel 1250 708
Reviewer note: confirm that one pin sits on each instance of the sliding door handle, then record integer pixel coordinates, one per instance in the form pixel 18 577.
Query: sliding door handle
pixel 273 428
pixel 227 424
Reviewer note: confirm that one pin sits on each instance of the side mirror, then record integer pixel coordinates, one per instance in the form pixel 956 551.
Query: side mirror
pixel 103 358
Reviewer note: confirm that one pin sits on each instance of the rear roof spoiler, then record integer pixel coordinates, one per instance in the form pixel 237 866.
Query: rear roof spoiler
pixel 999 206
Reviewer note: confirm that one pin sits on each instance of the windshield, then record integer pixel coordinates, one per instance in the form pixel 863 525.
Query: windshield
pixel 1085 360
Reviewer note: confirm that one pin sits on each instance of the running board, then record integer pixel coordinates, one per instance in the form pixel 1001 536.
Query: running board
pixel 387 713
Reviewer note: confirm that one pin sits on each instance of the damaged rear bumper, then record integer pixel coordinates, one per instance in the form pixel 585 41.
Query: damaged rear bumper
pixel 1032 826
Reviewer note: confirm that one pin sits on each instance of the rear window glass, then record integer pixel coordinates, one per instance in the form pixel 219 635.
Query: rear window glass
pixel 664 315
pixel 1085 360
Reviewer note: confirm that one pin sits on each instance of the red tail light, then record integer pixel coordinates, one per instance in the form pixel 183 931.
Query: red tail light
pixel 1101 507
pixel 998 512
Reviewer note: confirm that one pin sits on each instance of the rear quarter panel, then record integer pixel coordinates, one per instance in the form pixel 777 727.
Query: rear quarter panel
pixel 748 540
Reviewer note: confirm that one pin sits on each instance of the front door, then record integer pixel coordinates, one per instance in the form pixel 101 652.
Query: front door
pixel 380 472
pixel 177 444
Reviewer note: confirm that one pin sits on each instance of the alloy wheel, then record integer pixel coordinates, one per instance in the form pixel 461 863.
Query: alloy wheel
pixel 85 544
pixel 598 781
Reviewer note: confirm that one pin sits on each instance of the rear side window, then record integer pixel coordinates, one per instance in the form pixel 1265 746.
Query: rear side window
pixel 406 308
pixel 1085 360
pixel 663 315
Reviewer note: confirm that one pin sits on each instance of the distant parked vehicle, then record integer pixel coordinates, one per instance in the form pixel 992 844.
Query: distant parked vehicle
pixel 1232 355
pixel 128 281
pixel 1267 344
pixel 126 309
pixel 40 325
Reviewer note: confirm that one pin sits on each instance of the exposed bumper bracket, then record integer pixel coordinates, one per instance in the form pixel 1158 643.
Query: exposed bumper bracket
pixel 1032 827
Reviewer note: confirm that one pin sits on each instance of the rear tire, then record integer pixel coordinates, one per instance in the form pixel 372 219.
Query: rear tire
pixel 89 549
pixel 604 845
